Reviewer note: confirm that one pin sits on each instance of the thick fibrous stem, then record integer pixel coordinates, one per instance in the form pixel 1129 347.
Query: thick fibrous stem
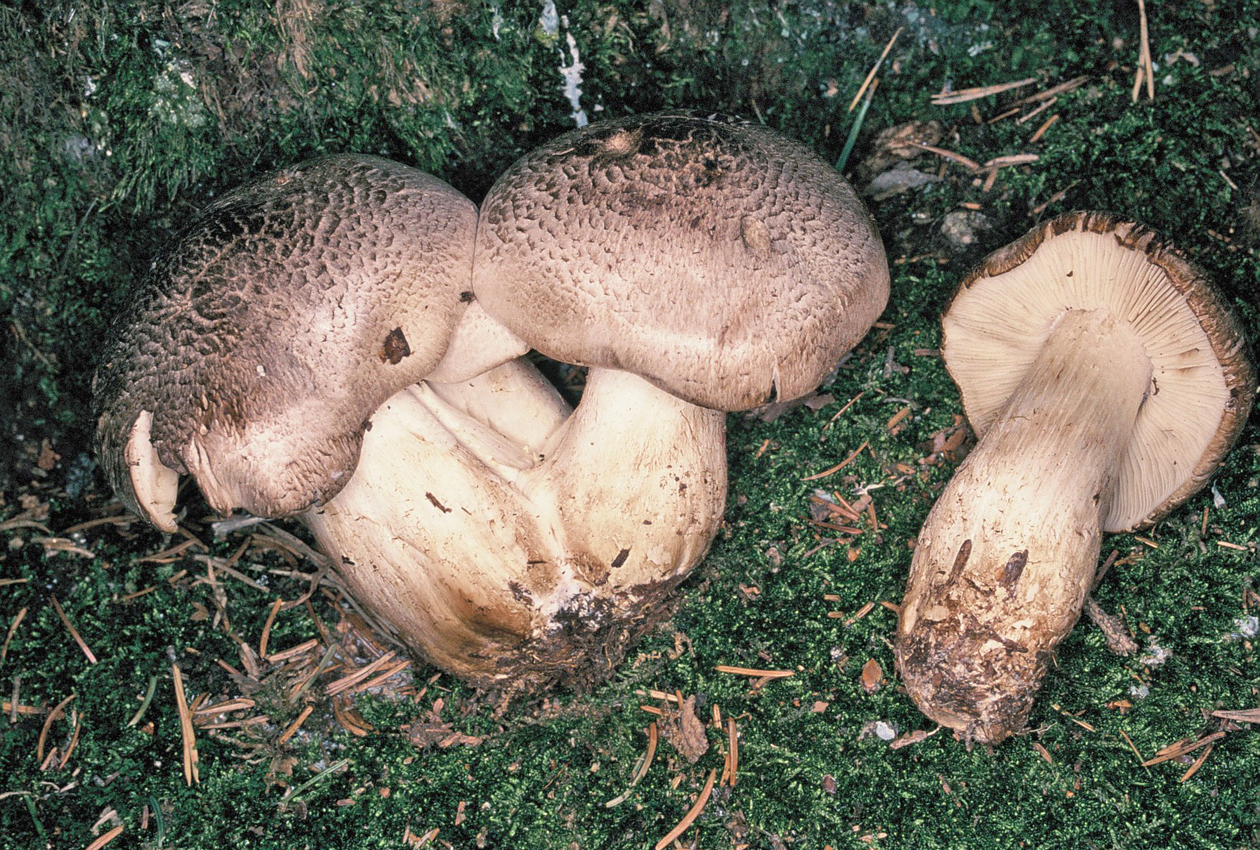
pixel 518 549
pixel 1006 556
pixel 634 484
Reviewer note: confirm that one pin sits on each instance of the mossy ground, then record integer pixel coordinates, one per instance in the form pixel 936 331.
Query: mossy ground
pixel 118 119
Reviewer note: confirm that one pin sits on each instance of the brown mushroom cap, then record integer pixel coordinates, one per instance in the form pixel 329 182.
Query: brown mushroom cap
pixel 262 339
pixel 721 261
pixel 1203 382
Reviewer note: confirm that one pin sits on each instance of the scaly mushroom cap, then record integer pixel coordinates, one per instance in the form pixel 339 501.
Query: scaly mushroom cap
pixel 721 261
pixel 262 339
pixel 1203 382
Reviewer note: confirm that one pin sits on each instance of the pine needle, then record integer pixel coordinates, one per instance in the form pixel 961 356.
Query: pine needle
pixel 692 813
pixel 191 775
pixel 874 68
pixel 74 633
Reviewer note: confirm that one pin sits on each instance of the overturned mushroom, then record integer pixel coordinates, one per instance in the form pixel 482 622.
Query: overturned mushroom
pixel 1106 379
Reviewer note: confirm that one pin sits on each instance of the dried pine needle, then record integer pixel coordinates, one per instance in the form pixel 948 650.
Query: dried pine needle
pixel 266 632
pixel 295 725
pixel 191 774
pixel 839 466
pixel 74 633
pixel 359 675
pixel 48 722
pixel 17 620
pixel 874 69
pixel 978 92
pixel 754 673
pixel 692 813
pixel 106 838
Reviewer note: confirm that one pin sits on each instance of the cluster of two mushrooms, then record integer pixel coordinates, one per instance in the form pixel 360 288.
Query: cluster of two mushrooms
pixel 342 341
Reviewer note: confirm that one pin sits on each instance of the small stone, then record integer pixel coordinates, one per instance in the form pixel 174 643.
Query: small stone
pixel 962 227
pixel 896 180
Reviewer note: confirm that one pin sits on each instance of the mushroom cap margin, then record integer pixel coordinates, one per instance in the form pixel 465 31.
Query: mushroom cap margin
pixel 262 338
pixel 1149 254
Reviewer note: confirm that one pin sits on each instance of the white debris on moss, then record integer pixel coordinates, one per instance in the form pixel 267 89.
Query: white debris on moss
pixel 549 23
pixel 548 32
pixel 573 79
pixel 496 20
pixel 1156 655
pixel 1245 627
pixel 176 100
pixel 1139 691
pixel 881 729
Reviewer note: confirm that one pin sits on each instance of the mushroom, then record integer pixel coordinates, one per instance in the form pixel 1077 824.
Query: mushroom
pixel 312 345
pixel 1105 378
pixel 262 339
pixel 698 266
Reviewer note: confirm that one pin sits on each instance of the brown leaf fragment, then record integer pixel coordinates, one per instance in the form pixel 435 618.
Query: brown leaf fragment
pixel 872 676
pixel 684 731
pixel 1247 715
pixel 770 412
pixel 829 784
pixel 47 457
pixel 900 144
pixel 950 444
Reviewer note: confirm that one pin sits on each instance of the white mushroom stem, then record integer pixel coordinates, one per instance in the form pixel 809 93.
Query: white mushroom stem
pixel 634 483
pixel 511 543
pixel 1007 555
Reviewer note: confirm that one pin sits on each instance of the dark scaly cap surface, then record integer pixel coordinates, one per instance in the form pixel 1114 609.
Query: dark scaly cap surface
pixel 718 259
pixel 263 337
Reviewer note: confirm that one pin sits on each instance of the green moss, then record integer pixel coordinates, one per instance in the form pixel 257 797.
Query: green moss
pixel 117 120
